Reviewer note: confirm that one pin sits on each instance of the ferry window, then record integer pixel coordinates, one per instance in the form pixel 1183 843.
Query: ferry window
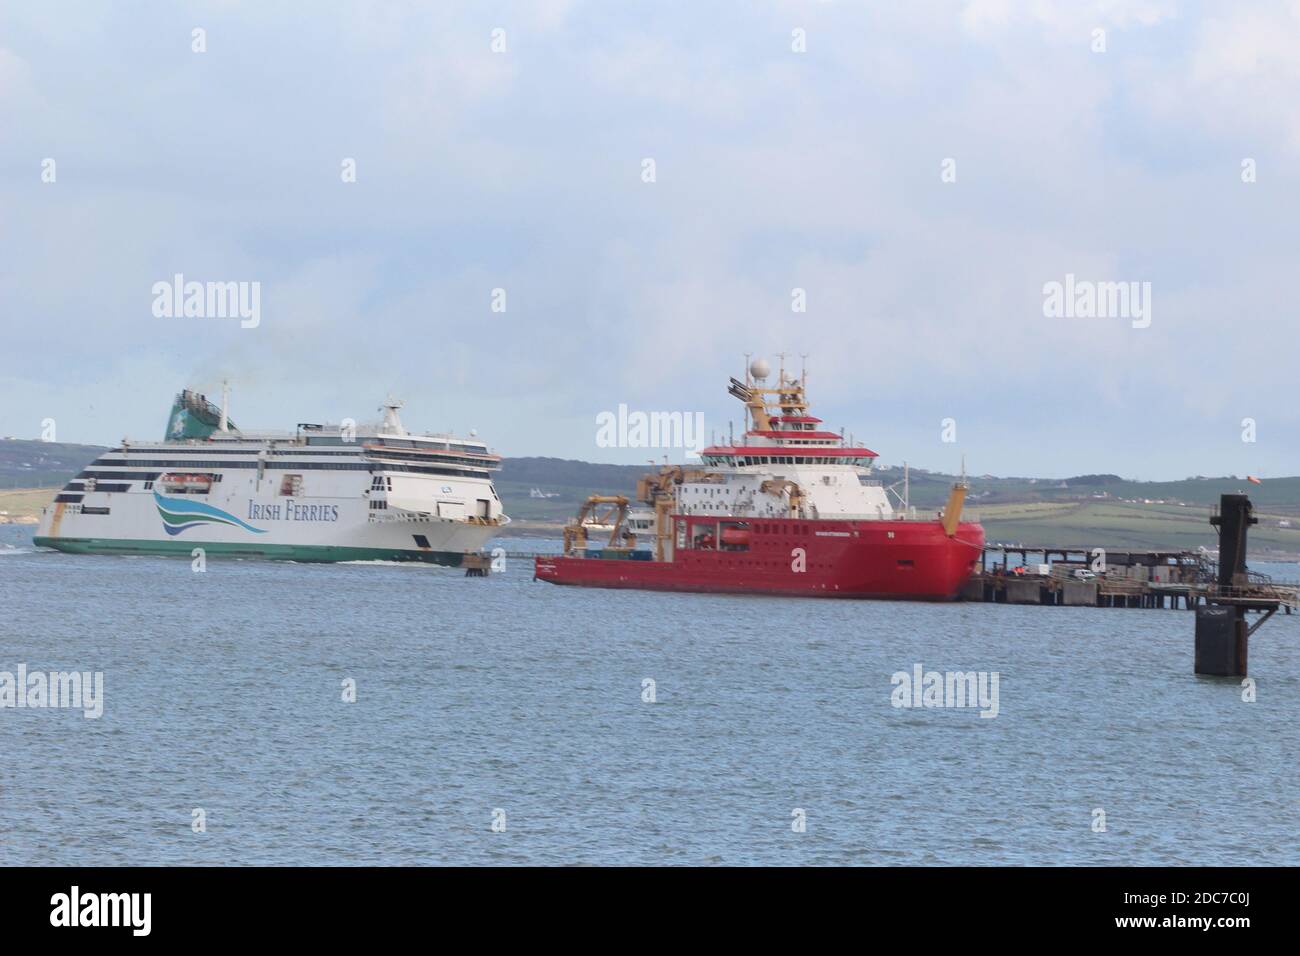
pixel 291 486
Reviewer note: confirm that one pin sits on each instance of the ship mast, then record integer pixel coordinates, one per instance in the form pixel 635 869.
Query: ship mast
pixel 392 424
pixel 763 401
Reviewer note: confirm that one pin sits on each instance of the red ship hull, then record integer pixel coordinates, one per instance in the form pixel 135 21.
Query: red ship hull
pixel 898 560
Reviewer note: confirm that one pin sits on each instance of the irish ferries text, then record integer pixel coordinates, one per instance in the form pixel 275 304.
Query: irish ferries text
pixel 291 511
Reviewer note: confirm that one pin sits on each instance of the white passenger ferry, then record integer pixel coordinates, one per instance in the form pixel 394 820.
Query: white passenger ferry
pixel 321 493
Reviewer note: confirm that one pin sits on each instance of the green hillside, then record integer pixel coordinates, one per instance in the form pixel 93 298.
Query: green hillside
pixel 40 464
pixel 1122 525
pixel 931 489
pixel 569 481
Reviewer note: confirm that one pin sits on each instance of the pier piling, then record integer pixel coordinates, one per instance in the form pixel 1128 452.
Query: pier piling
pixel 1221 641
pixel 1222 637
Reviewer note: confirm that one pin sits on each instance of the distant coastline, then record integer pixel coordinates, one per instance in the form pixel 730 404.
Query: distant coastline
pixel 540 494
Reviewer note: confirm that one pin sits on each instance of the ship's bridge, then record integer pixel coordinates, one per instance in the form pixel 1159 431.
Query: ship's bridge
pixel 795 423
pixel 773 452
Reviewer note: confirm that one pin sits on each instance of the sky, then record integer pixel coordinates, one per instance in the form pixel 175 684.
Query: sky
pixel 922 171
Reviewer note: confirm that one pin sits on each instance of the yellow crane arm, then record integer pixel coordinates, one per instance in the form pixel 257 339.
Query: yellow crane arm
pixel 952 510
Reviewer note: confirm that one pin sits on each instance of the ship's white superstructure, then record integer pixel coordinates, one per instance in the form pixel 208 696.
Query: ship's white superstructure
pixel 320 493
pixel 786 465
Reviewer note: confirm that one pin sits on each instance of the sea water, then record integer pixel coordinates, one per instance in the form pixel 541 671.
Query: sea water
pixel 279 713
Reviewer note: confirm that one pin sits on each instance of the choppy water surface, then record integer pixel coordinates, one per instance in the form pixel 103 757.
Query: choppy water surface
pixel 224 691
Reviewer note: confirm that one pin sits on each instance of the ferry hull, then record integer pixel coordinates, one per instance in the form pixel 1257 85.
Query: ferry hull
pixel 276 552
pixel 136 522
pixel 898 560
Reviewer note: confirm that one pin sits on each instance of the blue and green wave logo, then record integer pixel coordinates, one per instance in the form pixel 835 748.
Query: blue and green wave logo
pixel 180 515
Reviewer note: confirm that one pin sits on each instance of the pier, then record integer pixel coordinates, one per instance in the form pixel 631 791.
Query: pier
pixel 1124 579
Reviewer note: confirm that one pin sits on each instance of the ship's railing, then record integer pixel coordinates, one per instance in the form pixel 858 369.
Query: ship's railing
pixel 1278 594
pixel 922 515
pixel 928 515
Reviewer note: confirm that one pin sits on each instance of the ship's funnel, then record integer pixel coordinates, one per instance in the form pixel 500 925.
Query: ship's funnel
pixel 193 416
pixel 392 424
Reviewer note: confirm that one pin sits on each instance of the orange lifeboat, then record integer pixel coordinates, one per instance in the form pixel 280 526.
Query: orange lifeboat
pixel 735 537
pixel 186 483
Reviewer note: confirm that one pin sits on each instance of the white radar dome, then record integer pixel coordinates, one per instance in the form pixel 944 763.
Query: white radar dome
pixel 760 369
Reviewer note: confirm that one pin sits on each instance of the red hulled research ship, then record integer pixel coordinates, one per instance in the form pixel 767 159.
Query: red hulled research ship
pixel 791 509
